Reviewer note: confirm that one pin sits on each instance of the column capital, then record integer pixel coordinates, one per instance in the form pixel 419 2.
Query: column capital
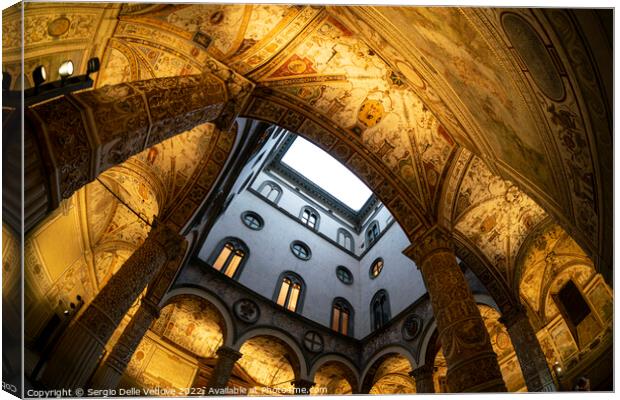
pixel 513 315
pixel 432 240
pixel 150 307
pixel 303 384
pixel 170 240
pixel 228 353
pixel 424 371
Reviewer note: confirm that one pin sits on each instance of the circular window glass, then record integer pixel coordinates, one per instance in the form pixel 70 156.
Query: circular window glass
pixel 252 220
pixel 376 268
pixel 344 275
pixel 300 250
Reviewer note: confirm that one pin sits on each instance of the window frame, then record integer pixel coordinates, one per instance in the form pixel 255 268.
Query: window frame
pixel 386 314
pixel 293 278
pixel 374 225
pixel 274 187
pixel 370 270
pixel 345 234
pixel 299 243
pixel 256 216
pixel 346 271
pixel 341 304
pixel 311 213
pixel 236 245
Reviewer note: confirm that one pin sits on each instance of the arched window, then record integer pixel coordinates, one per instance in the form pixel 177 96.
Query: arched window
pixel 290 291
pixel 271 191
pixel 252 220
pixel 342 316
pixel 309 217
pixel 345 239
pixel 372 233
pixel 379 309
pixel 231 256
pixel 376 268
pixel 301 250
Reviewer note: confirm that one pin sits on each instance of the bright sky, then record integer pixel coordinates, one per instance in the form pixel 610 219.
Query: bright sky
pixel 326 172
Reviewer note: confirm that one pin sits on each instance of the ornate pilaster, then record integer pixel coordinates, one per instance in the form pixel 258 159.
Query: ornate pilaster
pixel 423 377
pixel 536 373
pixel 77 354
pixel 109 374
pixel 472 364
pixel 302 386
pixel 226 359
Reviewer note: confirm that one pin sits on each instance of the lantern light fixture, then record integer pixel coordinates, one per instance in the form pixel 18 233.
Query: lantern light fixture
pixel 66 69
pixel 39 75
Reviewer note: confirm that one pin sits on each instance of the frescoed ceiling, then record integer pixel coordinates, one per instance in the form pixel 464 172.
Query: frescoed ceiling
pixel 494 215
pixel 550 253
pixel 267 361
pixel 396 93
pixel 392 377
pixel 505 76
pixel 193 324
pixel 334 378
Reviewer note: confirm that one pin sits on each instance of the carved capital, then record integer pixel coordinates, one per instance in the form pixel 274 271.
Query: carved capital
pixel 421 373
pixel 150 307
pixel 434 240
pixel 303 384
pixel 227 353
pixel 167 238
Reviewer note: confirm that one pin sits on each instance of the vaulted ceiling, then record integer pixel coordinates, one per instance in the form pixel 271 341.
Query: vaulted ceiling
pixel 489 121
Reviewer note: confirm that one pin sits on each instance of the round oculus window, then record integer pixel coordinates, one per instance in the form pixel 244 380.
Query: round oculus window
pixel 344 275
pixel 376 268
pixel 301 250
pixel 252 220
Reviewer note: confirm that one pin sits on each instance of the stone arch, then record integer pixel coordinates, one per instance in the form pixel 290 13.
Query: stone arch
pixel 300 364
pixel 275 108
pixel 353 372
pixel 368 374
pixel 229 327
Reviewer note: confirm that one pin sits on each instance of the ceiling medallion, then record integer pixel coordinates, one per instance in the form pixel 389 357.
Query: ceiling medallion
pixel 246 310
pixel 313 342
pixel 412 327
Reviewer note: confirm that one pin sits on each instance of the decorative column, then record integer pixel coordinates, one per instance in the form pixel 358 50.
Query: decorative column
pixel 472 364
pixel 302 386
pixel 77 354
pixel 80 135
pixel 226 359
pixel 423 377
pixel 534 367
pixel 109 374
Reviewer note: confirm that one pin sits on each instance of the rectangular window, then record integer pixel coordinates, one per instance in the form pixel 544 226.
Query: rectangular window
pixel 283 292
pixel 292 301
pixel 336 318
pixel 221 259
pixel 345 322
pixel 575 306
pixel 234 264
